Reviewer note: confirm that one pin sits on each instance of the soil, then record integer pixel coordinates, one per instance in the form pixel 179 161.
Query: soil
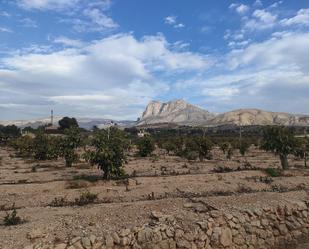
pixel 163 183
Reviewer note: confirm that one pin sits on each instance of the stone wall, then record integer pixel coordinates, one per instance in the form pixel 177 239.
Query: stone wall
pixel 253 228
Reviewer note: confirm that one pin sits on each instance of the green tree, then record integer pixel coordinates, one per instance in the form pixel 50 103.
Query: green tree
pixel 244 147
pixel 67 123
pixel 145 146
pixel 281 141
pixel 109 152
pixel 302 150
pixel 204 146
pixel 69 143
pixel 40 146
pixel 227 149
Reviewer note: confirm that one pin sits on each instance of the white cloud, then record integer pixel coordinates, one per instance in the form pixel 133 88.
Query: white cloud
pixel 5 14
pixel 172 20
pixel 112 78
pixel 301 18
pixel 46 4
pixel 272 75
pixel 7 30
pixel 261 19
pixel 239 8
pixel 28 23
pixel 100 19
pixel 68 42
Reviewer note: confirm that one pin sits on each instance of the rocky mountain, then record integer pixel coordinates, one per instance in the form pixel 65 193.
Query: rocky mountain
pixel 183 113
pixel 177 111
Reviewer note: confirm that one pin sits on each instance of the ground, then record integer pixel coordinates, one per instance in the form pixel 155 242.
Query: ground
pixel 160 183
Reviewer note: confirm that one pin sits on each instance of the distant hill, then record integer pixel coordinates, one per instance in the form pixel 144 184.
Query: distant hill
pixel 86 123
pixel 183 113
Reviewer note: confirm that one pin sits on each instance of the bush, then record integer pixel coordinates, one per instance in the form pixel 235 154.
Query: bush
pixel 86 198
pixel 272 172
pixel 59 202
pixel 145 146
pixel 12 219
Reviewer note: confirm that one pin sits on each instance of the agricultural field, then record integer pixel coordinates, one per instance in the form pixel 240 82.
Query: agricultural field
pixel 56 203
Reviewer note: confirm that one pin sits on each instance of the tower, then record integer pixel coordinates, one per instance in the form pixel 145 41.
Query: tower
pixel 52 117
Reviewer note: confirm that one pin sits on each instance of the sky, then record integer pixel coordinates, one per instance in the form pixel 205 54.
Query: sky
pixel 110 58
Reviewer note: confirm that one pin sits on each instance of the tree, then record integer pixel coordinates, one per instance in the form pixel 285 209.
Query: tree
pixel 145 146
pixel 281 141
pixel 67 123
pixel 69 144
pixel 109 152
pixel 302 150
pixel 243 147
pixel 204 146
pixel 40 146
pixel 227 149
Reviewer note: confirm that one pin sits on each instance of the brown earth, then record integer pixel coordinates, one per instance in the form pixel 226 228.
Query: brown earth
pixel 160 183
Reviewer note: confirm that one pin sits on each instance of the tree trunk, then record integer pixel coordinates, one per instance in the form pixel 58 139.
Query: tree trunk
pixel 284 162
pixel 305 159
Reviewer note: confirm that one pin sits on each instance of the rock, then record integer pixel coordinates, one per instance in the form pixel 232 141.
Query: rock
pixel 226 237
pixel 86 243
pixel 35 234
pixel 61 246
pixel 116 238
pixel 74 240
pixel 92 239
pixel 109 240
pixel 124 232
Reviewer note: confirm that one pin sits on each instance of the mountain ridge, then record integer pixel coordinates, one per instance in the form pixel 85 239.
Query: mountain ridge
pixel 188 114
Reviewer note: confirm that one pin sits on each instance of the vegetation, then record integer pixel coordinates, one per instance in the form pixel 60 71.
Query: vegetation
pixel 109 152
pixel 145 146
pixel 12 219
pixel 69 144
pixel 86 198
pixel 67 123
pixel 302 150
pixel 227 149
pixel 8 132
pixel 272 172
pixel 280 141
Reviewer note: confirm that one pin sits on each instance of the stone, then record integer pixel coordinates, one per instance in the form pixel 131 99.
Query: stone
pixel 226 237
pixel 86 243
pixel 116 238
pixel 92 239
pixel 74 240
pixel 124 232
pixel 283 229
pixel 109 240
pixel 183 244
pixel 35 234
pixel 61 246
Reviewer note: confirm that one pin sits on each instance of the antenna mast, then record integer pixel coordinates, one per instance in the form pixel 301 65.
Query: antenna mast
pixel 52 117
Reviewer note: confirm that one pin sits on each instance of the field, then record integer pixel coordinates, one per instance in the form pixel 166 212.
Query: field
pixel 44 192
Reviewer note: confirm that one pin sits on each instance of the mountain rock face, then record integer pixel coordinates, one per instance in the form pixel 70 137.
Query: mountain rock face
pixel 183 113
pixel 177 111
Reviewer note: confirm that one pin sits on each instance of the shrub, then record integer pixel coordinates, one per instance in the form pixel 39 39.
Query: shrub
pixel 59 202
pixel 145 146
pixel 12 219
pixel 272 172
pixel 86 198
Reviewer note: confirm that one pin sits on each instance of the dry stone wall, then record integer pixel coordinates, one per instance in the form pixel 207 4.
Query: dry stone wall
pixel 256 228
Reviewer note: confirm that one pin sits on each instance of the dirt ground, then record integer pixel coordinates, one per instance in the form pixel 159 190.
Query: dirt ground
pixel 160 183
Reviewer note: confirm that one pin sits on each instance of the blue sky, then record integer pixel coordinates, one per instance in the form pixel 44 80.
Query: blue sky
pixel 109 58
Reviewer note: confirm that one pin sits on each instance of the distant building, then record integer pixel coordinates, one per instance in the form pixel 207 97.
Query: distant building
pixel 142 133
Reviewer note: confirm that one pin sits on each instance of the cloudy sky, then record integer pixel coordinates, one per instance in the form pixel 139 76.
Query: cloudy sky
pixel 109 58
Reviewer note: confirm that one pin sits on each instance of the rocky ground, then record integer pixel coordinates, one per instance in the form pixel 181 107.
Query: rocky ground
pixel 162 183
